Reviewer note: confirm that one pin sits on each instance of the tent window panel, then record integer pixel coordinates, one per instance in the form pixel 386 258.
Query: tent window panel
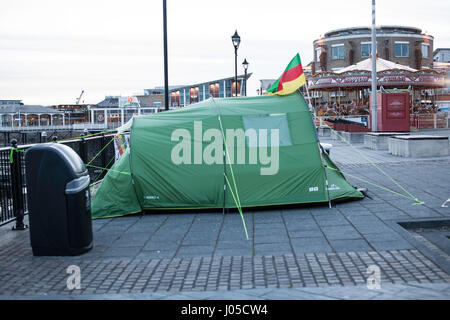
pixel 269 123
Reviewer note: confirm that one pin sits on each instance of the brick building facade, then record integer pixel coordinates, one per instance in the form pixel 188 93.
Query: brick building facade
pixel 407 46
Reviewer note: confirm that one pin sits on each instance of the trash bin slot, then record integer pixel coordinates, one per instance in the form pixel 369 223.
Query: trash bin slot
pixel 77 185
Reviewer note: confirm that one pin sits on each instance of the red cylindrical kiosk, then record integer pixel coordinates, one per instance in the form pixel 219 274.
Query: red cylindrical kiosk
pixel 393 112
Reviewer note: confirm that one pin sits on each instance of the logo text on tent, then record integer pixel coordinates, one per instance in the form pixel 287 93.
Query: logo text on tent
pixel 192 150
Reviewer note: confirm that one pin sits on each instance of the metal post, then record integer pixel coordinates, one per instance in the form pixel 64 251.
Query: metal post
pixel 374 69
pixel 83 150
pixel 245 83
pixel 17 188
pixel 103 155
pixel 166 69
pixel 235 71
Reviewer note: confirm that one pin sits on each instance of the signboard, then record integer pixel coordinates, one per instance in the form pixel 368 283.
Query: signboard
pixel 129 102
pixel 101 118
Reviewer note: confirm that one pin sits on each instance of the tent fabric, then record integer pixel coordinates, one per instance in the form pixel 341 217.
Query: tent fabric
pixel 116 195
pixel 156 181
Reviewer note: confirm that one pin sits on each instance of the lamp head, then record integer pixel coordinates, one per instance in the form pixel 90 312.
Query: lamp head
pixel 236 40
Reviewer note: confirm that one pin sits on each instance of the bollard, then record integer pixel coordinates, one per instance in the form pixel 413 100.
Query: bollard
pixel 83 150
pixel 43 137
pixel 103 155
pixel 16 186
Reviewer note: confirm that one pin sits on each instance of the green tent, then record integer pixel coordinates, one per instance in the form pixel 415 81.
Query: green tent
pixel 176 159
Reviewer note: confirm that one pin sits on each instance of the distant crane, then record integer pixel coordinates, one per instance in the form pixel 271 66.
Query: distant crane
pixel 79 98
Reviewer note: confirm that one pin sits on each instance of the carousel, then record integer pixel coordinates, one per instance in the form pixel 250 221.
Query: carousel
pixel 346 92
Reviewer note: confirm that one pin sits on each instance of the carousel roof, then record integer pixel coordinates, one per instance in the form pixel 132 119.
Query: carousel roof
pixel 382 65
pixel 389 74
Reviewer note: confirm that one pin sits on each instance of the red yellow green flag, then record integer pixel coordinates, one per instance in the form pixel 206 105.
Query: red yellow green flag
pixel 291 79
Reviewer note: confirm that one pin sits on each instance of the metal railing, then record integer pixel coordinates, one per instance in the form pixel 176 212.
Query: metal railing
pixel 76 126
pixel 13 185
pixel 439 120
pixel 430 121
pixel 320 121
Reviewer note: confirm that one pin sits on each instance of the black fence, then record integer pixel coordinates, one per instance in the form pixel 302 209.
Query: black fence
pixel 31 137
pixel 97 151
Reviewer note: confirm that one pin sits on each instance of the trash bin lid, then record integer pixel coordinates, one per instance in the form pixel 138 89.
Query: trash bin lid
pixel 71 158
pixel 77 185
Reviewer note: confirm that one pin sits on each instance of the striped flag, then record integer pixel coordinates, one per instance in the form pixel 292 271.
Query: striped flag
pixel 291 79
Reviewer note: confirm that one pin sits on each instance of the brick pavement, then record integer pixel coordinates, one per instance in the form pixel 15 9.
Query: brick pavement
pixel 37 276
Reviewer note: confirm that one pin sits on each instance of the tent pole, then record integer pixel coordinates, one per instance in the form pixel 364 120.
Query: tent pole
pixel 224 175
pixel 318 145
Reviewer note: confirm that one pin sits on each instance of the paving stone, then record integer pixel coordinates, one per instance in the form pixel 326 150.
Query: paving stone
pixel 334 219
pixel 271 238
pixel 132 240
pixel 195 250
pixel 307 245
pixel 153 245
pixel 352 245
pixel 121 252
pixel 391 245
pixel 305 233
pixel 340 233
pixel 268 248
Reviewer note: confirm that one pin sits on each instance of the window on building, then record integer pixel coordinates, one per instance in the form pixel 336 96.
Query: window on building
pixel 402 49
pixel 338 52
pixel 175 99
pixel 214 90
pixel 236 90
pixel 425 50
pixel 366 49
pixel 318 52
pixel 193 92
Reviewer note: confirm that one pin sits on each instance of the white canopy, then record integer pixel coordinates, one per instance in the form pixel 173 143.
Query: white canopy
pixel 382 65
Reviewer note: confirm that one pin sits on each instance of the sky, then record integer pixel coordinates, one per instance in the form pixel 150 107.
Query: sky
pixel 51 50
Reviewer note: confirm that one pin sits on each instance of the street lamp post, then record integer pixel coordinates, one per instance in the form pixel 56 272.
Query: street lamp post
pixel 236 41
pixel 166 69
pixel 245 65
pixel 374 70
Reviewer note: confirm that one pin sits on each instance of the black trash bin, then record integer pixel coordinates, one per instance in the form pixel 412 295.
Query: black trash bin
pixel 58 201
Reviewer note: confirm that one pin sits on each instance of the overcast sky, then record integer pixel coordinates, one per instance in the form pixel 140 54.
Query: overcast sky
pixel 50 50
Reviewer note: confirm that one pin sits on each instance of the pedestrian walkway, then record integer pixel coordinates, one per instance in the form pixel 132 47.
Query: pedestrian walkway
pixel 306 252
pixel 411 291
